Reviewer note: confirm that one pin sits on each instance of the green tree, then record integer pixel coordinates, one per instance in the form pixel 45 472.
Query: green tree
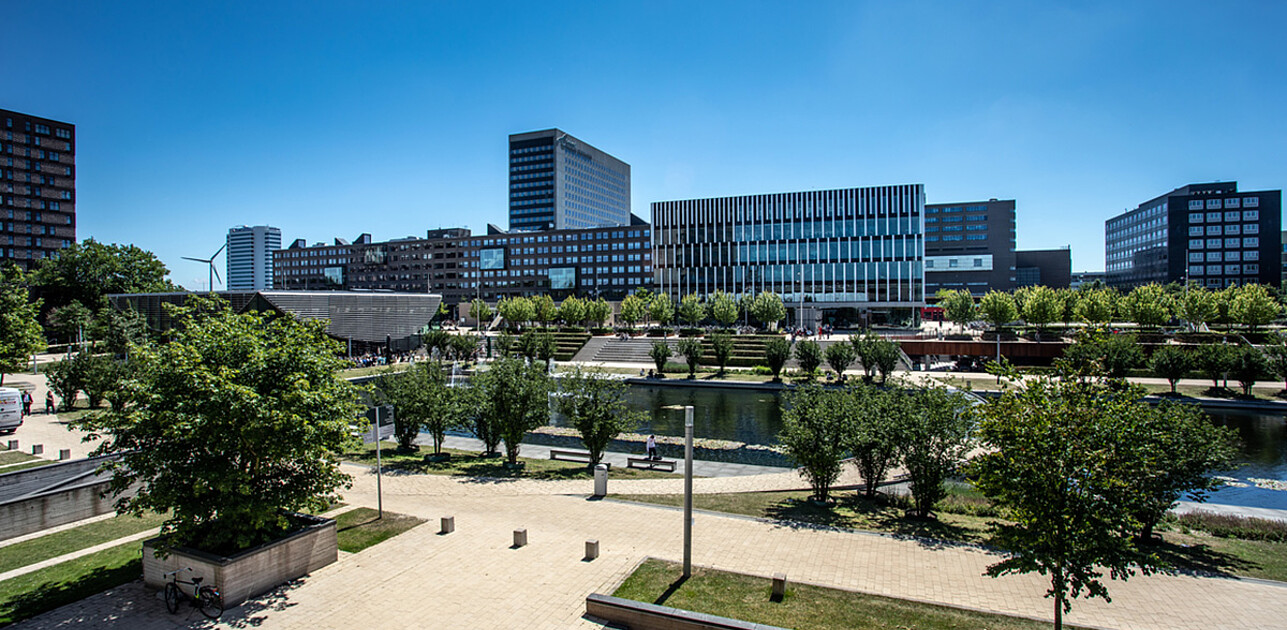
pixel 66 378
pixel 958 306
pixel 597 406
pixel 768 309
pixel 776 353
pixel 1149 306
pixel 544 310
pixel 840 355
pixel 809 355
pixel 1101 353
pixel 1171 363
pixel 722 348
pixel 1248 367
pixel 691 310
pixel 998 309
pixel 1253 306
pixel 461 347
pixel 660 353
pixel 20 334
pixel 479 310
pixel 101 376
pixel 875 433
pixel 422 401
pixel 1215 360
pixel 632 310
pixel 691 349
pixel 1042 307
pixel 117 330
pixel 1276 358
pixel 598 311
pixel 572 310
pixel 1197 306
pixel 88 271
pixel 934 437
pixel 516 396
pixel 723 309
pixel 814 431
pixel 1067 514
pixel 517 311
pixel 238 418
pixel 661 309
pixel 71 323
pixel 1097 306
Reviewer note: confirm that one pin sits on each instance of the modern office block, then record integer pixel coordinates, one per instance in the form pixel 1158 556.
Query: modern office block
pixel 1084 278
pixel 1046 267
pixel 824 251
pixel 317 267
pixel 970 245
pixel 1210 234
pixel 37 188
pixel 557 182
pixel 250 257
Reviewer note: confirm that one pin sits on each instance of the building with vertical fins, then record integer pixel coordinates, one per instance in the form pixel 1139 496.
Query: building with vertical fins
pixel 37 188
pixel 250 257
pixel 557 182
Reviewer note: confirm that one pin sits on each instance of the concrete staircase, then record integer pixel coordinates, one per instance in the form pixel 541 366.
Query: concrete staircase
pixel 634 350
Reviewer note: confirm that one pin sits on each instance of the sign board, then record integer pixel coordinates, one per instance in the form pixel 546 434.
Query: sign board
pixel 385 426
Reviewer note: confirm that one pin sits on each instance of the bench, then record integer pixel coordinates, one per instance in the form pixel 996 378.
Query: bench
pixel 667 465
pixel 570 456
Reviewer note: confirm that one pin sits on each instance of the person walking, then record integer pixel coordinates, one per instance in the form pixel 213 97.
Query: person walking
pixel 652 447
pixel 26 403
pixel 50 406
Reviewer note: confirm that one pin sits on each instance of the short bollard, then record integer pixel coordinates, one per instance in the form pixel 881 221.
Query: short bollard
pixel 779 587
pixel 13 445
pixel 591 549
pixel 64 454
pixel 520 538
pixel 37 449
pixel 448 524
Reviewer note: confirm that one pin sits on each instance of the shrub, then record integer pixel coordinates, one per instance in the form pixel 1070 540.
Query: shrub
pixel 809 355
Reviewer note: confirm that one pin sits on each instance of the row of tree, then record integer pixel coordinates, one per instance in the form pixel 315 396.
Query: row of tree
pixel 1115 355
pixel 1149 306
pixel 641 306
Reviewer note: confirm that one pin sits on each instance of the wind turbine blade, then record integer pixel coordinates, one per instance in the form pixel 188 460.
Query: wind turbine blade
pixel 216 273
pixel 216 254
pixel 195 259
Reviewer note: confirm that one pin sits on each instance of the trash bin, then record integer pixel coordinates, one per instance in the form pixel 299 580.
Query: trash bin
pixel 600 480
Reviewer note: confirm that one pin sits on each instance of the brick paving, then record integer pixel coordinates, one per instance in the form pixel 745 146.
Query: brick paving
pixel 472 578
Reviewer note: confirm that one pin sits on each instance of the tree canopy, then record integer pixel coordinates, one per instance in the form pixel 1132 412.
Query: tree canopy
pixel 88 271
pixel 20 334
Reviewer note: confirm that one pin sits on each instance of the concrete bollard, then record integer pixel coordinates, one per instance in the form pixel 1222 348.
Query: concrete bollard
pixel 13 445
pixel 37 449
pixel 591 549
pixel 64 454
pixel 779 587
pixel 448 525
pixel 520 538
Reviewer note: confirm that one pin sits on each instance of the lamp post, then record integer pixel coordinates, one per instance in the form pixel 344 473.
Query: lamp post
pixel 688 487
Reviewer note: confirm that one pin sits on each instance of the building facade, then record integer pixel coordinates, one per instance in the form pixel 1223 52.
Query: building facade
pixel 1045 267
pixel 319 267
pixel 971 246
pixel 557 182
pixel 1210 234
pixel 857 248
pixel 249 257
pixel 1086 278
pixel 37 188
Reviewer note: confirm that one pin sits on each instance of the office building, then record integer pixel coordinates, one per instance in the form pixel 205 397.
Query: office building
pixel 557 182
pixel 37 188
pixel 250 257
pixel 970 246
pixel 1046 267
pixel 317 267
pixel 851 256
pixel 1086 278
pixel 1210 234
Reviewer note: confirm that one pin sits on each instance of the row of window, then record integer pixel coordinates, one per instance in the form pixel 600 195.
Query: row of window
pixel 956 237
pixel 1233 229
pixel 39 128
pixel 1230 216
pixel 1233 256
pixel 1229 243
pixel 1228 270
pixel 1216 204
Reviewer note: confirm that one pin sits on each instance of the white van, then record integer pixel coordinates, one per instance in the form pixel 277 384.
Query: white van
pixel 10 409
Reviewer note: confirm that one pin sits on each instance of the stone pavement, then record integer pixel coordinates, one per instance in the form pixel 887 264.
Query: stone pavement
pixel 41 428
pixel 472 578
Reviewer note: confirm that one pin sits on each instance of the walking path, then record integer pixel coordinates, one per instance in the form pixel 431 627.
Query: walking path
pixel 472 578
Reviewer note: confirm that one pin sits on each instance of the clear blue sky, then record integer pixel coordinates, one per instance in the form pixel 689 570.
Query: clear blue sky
pixel 331 119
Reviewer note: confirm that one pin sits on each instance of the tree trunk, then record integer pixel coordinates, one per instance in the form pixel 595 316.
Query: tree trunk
pixel 1057 581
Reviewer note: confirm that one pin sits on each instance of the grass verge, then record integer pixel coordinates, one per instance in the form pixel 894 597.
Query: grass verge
pixel 46 589
pixel 14 457
pixel 804 607
pixel 23 466
pixel 360 528
pixel 74 539
pixel 470 464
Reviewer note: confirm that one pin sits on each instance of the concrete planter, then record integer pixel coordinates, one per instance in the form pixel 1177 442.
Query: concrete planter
pixel 253 571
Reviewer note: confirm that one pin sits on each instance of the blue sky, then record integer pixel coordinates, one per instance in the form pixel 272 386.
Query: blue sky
pixel 331 119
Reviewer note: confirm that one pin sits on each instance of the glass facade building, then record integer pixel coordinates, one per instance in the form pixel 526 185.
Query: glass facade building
pixel 250 257
pixel 37 188
pixel 850 248
pixel 1210 234
pixel 557 182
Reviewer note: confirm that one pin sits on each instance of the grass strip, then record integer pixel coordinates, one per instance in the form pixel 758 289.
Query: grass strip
pixel 40 591
pixel 360 528
pixel 32 464
pixel 471 464
pixel 13 457
pixel 804 607
pixel 74 539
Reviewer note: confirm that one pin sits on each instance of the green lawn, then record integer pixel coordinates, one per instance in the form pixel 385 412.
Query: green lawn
pixel 46 589
pixel 360 528
pixel 804 607
pixel 30 464
pixel 469 464
pixel 13 457
pixel 74 539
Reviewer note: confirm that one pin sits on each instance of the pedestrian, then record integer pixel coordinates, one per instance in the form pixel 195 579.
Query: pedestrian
pixel 652 447
pixel 26 403
pixel 50 407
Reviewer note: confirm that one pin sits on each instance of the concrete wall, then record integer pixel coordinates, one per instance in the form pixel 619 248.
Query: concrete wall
pixel 250 572
pixel 26 516
pixel 641 616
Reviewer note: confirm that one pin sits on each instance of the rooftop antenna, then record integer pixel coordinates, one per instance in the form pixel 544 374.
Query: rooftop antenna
pixel 210 261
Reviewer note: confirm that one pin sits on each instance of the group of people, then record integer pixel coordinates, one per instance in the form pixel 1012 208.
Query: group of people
pixel 50 405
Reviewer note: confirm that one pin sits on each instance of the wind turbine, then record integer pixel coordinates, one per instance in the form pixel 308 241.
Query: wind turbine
pixel 210 261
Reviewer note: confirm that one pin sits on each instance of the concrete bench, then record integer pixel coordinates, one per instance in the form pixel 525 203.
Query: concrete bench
pixel 644 463
pixel 570 456
pixel 644 616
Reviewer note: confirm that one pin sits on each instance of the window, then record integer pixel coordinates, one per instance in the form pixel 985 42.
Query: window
pixel 1230 242
pixel 1233 229
pixel 1213 257
pixel 1251 202
pixel 1195 204
pixel 1213 230
pixel 1251 254
pixel 1232 216
pixel 1197 270
pixel 1213 243
pixel 1213 217
pixel 1196 243
pixel 1195 230
pixel 1251 268
pixel 1195 217
pixel 1213 270
pixel 1232 270
pixel 1248 241
pixel 1250 215
pixel 1213 204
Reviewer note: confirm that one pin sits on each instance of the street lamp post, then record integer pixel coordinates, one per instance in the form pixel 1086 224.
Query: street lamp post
pixel 688 487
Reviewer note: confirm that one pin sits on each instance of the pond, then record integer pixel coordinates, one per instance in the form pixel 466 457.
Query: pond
pixel 754 416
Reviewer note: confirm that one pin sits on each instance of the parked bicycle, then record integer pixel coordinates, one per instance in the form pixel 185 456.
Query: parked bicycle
pixel 204 598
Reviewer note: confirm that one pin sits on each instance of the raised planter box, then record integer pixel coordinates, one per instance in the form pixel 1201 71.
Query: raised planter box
pixel 643 616
pixel 253 571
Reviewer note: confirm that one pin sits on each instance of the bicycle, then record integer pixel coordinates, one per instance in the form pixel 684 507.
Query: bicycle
pixel 204 598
